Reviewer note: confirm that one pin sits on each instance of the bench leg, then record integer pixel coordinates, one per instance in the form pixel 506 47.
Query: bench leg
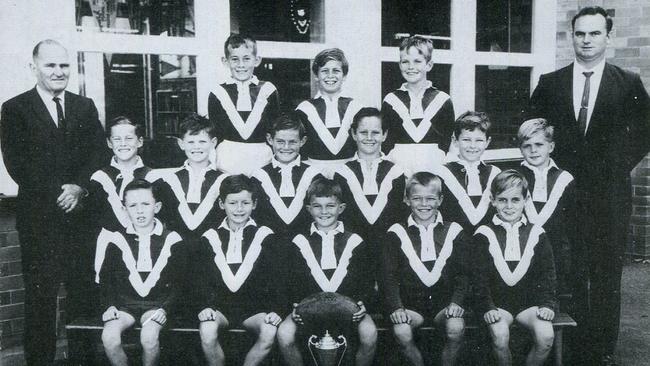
pixel 557 347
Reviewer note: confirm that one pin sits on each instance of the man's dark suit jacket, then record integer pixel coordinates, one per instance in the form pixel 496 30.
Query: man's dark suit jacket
pixel 41 158
pixel 617 138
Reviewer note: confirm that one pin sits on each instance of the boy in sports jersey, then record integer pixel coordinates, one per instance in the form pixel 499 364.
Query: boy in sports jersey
pixel 552 204
pixel 328 116
pixel 328 257
pixel 515 272
pixel 424 278
pixel 285 179
pixel 242 109
pixel 138 271
pixel 238 267
pixel 467 180
pixel 420 117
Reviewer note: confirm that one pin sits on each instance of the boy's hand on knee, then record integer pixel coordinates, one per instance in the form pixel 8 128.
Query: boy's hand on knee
pixel 273 319
pixel 545 313
pixel 492 316
pixel 454 311
pixel 207 314
pixel 296 318
pixel 110 314
pixel 358 316
pixel 400 316
pixel 160 316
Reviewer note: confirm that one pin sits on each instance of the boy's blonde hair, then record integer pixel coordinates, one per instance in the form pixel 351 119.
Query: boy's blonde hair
pixel 532 127
pixel 508 179
pixel 424 179
pixel 237 40
pixel 330 54
pixel 423 45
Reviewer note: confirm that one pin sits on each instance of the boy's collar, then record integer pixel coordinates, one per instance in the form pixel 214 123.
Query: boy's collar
pixel 551 164
pixel 428 84
pixel 157 228
pixel 340 228
pixel 497 221
pixel 189 167
pixel 381 156
pixel 224 224
pixel 275 163
pixel 411 221
pixel 334 98
pixel 467 164
pixel 253 80
pixel 138 164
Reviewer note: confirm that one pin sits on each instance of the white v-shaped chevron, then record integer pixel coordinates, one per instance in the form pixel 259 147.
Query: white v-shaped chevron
pixel 113 198
pixel 418 132
pixel 143 288
pixel 317 273
pixel 511 278
pixel 333 144
pixel 235 281
pixel 370 212
pixel 245 129
pixel 474 214
pixel 428 278
pixel 540 218
pixel 287 214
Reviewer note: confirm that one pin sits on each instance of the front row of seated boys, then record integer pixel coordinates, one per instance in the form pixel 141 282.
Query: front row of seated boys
pixel 251 272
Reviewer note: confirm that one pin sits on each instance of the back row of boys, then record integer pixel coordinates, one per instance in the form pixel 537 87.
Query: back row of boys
pixel 237 256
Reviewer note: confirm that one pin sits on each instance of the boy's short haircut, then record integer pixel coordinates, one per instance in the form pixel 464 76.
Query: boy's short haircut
pixel 330 54
pixel 424 179
pixel 368 112
pixel 423 45
pixel 237 40
pixel 194 124
pixel 323 187
pixel 237 183
pixel 472 120
pixel 532 127
pixel 593 10
pixel 122 120
pixel 508 179
pixel 140 183
pixel 287 122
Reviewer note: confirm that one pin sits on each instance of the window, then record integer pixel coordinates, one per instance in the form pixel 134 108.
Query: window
pixel 290 77
pixel 173 18
pixel 284 21
pixel 403 18
pixel 503 26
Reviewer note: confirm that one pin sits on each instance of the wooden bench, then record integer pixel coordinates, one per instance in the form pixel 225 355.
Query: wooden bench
pixel 82 326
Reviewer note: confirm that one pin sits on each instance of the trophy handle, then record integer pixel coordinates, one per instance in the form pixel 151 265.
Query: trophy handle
pixel 310 344
pixel 342 342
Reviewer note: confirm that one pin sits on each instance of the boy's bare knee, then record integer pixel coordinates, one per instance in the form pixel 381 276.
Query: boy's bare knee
pixel 501 337
pixel 149 340
pixel 403 333
pixel 544 341
pixel 267 335
pixel 209 333
pixel 367 334
pixel 286 334
pixel 455 329
pixel 111 339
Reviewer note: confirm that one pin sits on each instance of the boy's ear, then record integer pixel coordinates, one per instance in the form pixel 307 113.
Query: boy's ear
pixel 220 203
pixel 214 141
pixel 258 61
pixel 109 143
pixel 429 65
pixel 157 206
pixel 269 139
pixel 552 147
pixel 303 141
pixel 180 143
pixel 140 142
pixel 342 207
pixel 224 60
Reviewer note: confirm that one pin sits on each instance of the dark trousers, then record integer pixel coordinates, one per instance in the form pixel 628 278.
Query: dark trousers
pixel 48 261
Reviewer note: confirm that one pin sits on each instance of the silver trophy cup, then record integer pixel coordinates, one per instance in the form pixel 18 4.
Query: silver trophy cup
pixel 327 349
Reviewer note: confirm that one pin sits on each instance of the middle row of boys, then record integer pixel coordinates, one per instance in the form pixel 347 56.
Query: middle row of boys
pixel 237 261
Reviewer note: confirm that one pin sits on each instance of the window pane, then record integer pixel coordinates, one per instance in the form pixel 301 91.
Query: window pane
pixel 290 77
pixel 391 78
pixel 404 18
pixel 284 20
pixel 503 26
pixel 502 92
pixel 173 18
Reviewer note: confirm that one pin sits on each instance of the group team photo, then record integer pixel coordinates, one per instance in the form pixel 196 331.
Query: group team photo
pixel 333 232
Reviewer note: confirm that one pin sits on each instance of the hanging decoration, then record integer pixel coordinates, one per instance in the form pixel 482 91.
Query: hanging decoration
pixel 299 14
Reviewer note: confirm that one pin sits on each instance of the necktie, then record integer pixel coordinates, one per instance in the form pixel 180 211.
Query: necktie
pixel 584 104
pixel 60 118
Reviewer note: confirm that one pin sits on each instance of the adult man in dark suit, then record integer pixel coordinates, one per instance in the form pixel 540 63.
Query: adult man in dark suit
pixel 51 141
pixel 602 128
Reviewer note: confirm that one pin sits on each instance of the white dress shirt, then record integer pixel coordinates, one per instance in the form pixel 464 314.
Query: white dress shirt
pixel 579 85
pixel 47 98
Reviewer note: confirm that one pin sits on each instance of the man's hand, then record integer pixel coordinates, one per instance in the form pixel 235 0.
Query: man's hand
pixel 207 314
pixel 492 316
pixel 70 197
pixel 400 316
pixel 110 314
pixel 454 311
pixel 358 316
pixel 545 313
pixel 296 318
pixel 273 319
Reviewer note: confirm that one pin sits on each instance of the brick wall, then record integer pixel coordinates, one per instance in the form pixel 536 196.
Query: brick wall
pixel 11 279
pixel 630 49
